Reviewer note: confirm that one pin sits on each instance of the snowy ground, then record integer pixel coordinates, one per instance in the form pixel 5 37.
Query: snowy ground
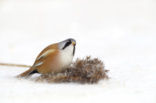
pixel 122 33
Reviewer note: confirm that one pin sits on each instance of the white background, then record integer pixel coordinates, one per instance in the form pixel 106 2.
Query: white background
pixel 121 33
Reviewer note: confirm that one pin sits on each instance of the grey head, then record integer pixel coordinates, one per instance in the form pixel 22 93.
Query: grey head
pixel 66 43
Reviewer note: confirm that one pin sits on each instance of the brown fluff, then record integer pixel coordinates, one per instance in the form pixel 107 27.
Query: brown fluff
pixel 81 71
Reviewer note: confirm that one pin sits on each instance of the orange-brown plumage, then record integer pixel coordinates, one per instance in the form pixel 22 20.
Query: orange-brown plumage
pixel 50 59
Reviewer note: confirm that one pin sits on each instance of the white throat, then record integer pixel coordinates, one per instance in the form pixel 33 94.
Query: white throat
pixel 66 56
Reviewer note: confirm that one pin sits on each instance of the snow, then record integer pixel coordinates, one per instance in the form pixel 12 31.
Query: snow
pixel 120 32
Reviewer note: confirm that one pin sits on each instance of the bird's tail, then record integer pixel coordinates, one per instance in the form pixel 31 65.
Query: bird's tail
pixel 28 73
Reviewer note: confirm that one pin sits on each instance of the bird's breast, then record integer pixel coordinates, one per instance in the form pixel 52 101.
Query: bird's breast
pixel 66 58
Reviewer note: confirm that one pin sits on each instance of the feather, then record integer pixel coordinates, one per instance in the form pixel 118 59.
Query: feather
pixel 46 53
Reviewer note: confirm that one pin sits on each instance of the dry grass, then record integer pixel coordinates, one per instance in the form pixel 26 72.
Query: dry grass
pixel 81 71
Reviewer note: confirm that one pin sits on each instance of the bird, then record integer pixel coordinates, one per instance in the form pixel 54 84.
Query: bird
pixel 53 59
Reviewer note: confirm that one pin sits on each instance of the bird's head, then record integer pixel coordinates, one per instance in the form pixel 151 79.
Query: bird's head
pixel 67 45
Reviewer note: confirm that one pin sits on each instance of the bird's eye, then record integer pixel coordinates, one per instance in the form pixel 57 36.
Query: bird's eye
pixel 67 44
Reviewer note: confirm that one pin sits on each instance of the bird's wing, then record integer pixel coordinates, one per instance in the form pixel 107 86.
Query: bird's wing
pixel 44 54
pixel 43 57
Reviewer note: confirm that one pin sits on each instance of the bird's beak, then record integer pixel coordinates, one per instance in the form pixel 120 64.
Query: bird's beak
pixel 73 43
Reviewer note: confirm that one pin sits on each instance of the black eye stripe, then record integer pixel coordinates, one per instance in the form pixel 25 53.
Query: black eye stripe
pixel 67 44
